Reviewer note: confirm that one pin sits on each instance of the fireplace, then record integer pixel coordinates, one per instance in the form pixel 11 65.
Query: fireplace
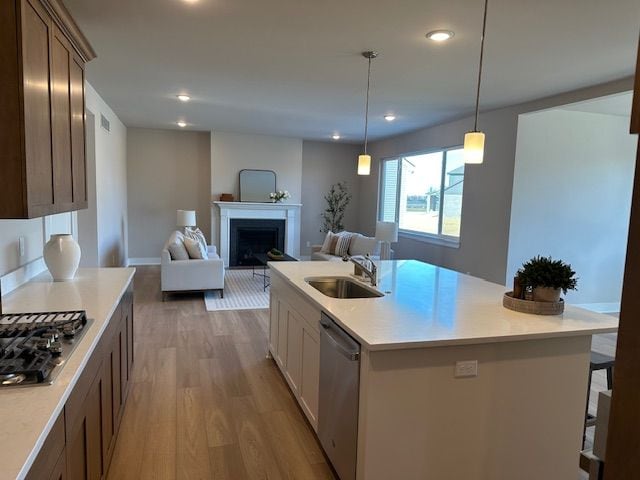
pixel 222 213
pixel 248 236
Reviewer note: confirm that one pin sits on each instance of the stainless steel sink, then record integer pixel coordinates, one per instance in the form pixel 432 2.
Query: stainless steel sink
pixel 342 287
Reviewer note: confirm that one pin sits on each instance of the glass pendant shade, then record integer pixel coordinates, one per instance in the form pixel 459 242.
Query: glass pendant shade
pixel 473 147
pixel 364 164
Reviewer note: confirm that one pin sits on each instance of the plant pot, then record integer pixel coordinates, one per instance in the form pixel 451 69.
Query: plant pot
pixel 62 256
pixel 546 294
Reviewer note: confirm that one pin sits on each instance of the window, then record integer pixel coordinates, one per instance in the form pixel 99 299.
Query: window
pixel 423 193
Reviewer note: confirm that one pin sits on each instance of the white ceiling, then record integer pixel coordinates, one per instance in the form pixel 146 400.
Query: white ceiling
pixel 293 67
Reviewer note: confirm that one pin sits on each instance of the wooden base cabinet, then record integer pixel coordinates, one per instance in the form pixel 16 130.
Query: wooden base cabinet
pixel 294 342
pixel 42 145
pixel 84 435
pixel 50 464
pixel 81 444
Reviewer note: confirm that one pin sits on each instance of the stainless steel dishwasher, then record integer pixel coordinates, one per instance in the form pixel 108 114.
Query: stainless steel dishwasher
pixel 338 405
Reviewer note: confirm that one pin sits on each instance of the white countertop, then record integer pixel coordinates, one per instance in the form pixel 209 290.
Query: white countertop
pixel 28 413
pixel 432 306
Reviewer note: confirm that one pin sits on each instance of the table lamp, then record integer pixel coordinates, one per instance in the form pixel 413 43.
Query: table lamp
pixel 186 218
pixel 386 233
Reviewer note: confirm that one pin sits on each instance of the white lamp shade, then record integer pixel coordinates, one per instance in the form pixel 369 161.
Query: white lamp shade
pixel 387 232
pixel 186 218
pixel 473 147
pixel 364 164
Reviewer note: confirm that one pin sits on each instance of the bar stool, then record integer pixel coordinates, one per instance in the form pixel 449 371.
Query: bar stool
pixel 599 361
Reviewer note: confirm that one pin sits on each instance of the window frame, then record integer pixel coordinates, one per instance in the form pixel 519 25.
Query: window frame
pixel 436 239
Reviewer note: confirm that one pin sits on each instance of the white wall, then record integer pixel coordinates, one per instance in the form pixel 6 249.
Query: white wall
pixel 88 218
pixel 572 196
pixel 10 232
pixel 167 170
pixel 486 207
pixel 232 152
pixel 110 215
pixel 324 164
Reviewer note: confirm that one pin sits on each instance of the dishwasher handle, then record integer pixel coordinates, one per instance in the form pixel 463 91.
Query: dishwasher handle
pixel 347 348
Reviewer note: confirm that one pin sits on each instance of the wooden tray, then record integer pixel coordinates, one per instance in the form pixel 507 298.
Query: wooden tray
pixel 529 306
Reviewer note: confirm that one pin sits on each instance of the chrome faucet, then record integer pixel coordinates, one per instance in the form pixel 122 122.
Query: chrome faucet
pixel 367 267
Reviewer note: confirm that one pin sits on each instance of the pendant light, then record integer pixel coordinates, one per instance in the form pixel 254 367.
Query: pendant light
pixel 474 140
pixel 364 160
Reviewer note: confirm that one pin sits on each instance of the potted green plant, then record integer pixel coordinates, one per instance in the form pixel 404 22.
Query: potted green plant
pixel 547 278
pixel 337 200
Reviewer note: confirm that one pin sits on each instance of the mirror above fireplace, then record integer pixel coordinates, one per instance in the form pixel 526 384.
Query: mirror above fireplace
pixel 256 185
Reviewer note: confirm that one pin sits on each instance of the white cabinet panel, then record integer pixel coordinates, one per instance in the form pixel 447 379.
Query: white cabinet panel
pixel 294 350
pixel 294 341
pixel 273 324
pixel 281 354
pixel 310 374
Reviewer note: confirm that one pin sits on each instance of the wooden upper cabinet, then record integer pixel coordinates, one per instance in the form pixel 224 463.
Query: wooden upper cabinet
pixel 42 139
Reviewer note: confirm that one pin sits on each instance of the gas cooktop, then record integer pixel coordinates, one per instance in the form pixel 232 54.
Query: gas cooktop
pixel 35 346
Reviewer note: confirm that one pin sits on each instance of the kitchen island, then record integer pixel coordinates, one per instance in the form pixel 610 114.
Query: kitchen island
pixel 513 409
pixel 56 428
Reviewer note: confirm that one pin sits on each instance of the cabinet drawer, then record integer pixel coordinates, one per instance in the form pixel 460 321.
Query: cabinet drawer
pixel 305 309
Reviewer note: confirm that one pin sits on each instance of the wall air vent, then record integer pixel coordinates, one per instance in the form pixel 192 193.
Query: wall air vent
pixel 104 123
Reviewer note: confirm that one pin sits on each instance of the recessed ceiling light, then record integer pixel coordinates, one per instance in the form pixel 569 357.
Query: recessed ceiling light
pixel 182 123
pixel 389 117
pixel 440 35
pixel 184 98
pixel 335 136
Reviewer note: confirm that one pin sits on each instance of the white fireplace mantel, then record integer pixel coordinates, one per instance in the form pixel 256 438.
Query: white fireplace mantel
pixel 225 211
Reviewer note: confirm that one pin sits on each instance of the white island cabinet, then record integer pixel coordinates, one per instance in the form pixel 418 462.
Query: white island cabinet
pixel 519 416
pixel 294 342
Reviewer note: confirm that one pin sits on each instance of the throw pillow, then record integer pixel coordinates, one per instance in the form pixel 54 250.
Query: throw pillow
pixel 176 247
pixel 195 249
pixel 326 245
pixel 361 245
pixel 197 235
pixel 342 244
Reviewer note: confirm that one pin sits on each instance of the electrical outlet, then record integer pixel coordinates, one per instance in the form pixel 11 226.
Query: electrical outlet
pixel 467 368
pixel 21 246
pixel 308 243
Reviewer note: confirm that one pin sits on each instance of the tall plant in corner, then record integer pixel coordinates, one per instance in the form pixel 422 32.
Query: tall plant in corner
pixel 337 199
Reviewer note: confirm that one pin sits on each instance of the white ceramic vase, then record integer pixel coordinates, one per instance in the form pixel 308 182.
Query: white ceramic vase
pixel 62 256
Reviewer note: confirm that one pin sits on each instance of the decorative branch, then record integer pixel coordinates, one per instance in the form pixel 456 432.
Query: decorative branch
pixel 337 200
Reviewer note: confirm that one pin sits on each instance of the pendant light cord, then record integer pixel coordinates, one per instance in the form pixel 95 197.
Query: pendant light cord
pixel 366 108
pixel 484 28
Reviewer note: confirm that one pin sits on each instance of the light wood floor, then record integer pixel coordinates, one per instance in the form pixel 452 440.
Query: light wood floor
pixel 205 402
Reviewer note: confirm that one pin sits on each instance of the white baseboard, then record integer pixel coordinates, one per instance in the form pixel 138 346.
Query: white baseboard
pixel 21 275
pixel 144 261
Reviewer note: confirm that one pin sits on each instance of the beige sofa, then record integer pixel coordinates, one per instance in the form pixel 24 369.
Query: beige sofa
pixel 192 274
pixel 360 245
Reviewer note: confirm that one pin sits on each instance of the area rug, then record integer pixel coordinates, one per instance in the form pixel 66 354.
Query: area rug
pixel 242 291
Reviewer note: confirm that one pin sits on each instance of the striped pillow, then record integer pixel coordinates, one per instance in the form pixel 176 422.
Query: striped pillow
pixel 341 247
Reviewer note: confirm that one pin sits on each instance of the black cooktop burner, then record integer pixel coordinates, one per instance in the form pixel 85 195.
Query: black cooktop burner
pixel 34 346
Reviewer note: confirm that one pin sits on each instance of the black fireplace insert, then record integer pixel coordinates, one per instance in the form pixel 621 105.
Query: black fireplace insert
pixel 249 236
